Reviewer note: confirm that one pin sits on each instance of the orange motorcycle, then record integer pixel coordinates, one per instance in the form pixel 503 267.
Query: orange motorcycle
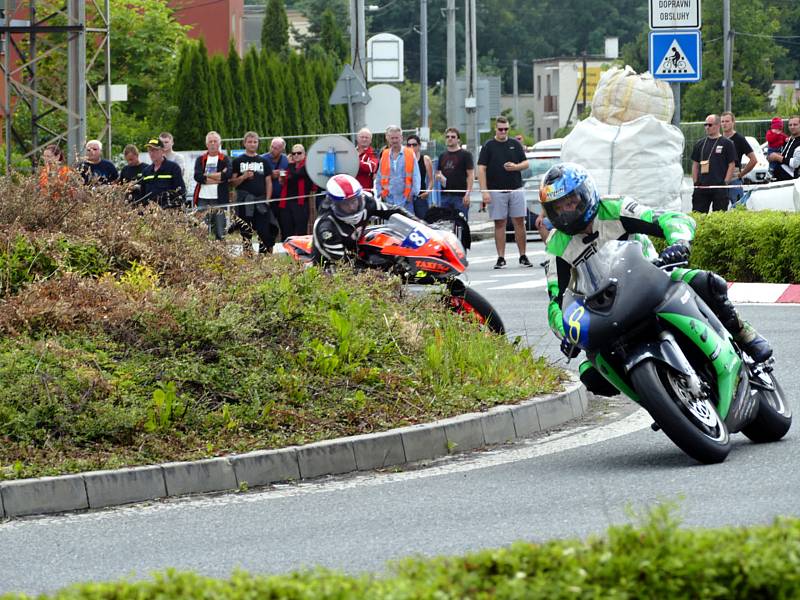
pixel 420 254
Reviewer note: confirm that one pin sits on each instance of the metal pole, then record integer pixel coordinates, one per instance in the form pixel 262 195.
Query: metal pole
pixel 515 81
pixel 676 93
pixel 727 55
pixel 451 62
pixel 358 55
pixel 108 78
pixel 423 65
pixel 584 84
pixel 8 82
pixel 474 43
pixel 76 81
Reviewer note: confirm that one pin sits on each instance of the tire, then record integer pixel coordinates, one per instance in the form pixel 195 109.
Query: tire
pixel 466 301
pixel 698 430
pixel 774 417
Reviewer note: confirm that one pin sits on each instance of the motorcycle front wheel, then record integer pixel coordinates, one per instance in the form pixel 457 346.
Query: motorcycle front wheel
pixel 467 302
pixel 692 424
pixel 774 417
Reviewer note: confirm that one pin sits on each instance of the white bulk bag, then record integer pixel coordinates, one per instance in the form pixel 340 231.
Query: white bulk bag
pixel 641 159
pixel 622 96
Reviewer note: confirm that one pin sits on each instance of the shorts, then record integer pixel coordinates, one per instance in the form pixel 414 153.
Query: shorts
pixel 507 204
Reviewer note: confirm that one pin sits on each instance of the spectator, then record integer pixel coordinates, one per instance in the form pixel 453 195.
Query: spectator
pixel 398 179
pixel 788 158
pixel 367 161
pixel 713 161
pixel 425 166
pixel 297 209
pixel 212 170
pixel 500 166
pixel 162 181
pixel 95 168
pixel 54 173
pixel 742 148
pixel 252 178
pixel 167 139
pixel 132 172
pixel 775 141
pixel 455 172
pixel 278 163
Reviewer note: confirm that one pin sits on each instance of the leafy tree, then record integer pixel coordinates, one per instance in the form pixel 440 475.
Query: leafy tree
pixel 315 11
pixel 194 106
pixel 332 39
pixel 753 60
pixel 275 29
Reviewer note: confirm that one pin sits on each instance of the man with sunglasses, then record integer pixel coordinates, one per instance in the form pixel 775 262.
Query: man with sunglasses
pixel 455 172
pixel 713 162
pixel 500 165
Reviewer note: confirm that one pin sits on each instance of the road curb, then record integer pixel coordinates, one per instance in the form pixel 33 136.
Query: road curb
pixel 396 447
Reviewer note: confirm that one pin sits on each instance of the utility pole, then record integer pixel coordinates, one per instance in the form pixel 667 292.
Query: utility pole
pixel 423 68
pixel 358 55
pixel 584 84
pixel 451 62
pixel 515 81
pixel 727 68
pixel 471 97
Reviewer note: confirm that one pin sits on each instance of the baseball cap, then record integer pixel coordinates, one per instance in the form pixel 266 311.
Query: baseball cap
pixel 154 143
pixel 777 123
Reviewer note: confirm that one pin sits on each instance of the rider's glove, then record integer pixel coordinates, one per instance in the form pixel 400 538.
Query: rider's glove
pixel 676 253
pixel 569 349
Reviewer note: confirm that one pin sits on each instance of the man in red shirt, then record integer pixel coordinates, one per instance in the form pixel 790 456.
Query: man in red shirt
pixel 367 161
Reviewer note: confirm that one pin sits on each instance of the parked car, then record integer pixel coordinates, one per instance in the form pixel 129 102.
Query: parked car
pixel 541 157
pixel 761 170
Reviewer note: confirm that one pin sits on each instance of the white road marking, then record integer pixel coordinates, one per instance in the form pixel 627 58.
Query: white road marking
pixel 522 285
pixel 550 444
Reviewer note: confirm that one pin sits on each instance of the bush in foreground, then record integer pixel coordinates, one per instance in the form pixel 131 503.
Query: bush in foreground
pixel 656 560
pixel 132 338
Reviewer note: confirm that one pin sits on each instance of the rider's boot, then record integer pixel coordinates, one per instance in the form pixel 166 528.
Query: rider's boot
pixel 754 344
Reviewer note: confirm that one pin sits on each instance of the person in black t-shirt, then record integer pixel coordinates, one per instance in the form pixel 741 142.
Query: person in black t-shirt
pixel 742 148
pixel 96 169
pixel 252 178
pixel 500 166
pixel 712 165
pixel 455 172
pixel 131 173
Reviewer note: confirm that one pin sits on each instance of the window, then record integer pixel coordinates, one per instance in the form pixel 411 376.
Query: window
pixel 548 86
pixel 538 87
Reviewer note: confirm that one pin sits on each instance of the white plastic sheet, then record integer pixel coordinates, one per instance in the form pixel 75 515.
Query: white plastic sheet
pixel 641 158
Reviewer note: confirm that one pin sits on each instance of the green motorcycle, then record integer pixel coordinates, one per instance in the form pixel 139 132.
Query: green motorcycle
pixel 655 340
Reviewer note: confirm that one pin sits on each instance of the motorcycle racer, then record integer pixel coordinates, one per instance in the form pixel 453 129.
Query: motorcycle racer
pixel 583 222
pixel 344 213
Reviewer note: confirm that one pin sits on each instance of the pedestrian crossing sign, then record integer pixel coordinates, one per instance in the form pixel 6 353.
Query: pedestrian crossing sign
pixel 676 55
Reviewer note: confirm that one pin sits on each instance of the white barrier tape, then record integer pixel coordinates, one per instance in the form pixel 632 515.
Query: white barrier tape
pixel 748 186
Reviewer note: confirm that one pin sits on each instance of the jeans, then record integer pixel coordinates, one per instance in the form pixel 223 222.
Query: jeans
pixel 420 207
pixel 456 201
pixel 735 193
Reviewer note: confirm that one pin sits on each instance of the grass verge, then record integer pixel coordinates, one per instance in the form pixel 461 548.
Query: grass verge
pixel 131 338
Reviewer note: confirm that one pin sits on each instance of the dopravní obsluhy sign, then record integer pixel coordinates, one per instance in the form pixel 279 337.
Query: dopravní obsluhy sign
pixel 675 14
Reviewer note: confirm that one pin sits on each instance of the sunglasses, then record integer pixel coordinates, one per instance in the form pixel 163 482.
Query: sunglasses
pixel 708 124
pixel 412 144
pixel 455 137
pixel 297 153
pixel 502 129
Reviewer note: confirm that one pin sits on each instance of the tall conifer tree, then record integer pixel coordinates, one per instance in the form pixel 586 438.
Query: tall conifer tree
pixel 275 28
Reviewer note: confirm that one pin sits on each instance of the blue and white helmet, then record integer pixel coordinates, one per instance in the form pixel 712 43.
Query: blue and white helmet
pixel 569 197
pixel 347 198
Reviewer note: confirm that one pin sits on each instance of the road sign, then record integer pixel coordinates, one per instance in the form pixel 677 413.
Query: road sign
pixel 675 55
pixel 350 89
pixel 675 14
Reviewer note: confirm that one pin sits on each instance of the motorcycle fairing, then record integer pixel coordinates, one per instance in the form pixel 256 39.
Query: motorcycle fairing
pixel 684 311
pixel 299 247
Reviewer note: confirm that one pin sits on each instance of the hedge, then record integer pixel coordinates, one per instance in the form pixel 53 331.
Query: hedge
pixel 657 559
pixel 749 246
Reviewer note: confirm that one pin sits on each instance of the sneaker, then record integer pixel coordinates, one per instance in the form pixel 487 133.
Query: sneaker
pixel 524 262
pixel 754 344
pixel 501 263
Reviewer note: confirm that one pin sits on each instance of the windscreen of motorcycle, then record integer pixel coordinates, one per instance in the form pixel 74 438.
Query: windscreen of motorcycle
pixel 595 272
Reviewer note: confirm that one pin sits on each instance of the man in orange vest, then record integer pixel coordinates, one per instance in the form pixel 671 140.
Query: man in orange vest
pixel 397 181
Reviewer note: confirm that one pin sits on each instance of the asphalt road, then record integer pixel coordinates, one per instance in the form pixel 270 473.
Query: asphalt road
pixel 568 483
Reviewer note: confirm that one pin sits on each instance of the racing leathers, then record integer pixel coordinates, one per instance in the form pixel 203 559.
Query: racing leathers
pixel 621 218
pixel 334 240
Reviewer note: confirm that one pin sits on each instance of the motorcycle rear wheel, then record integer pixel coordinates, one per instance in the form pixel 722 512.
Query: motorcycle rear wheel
pixel 695 426
pixel 774 416
pixel 466 301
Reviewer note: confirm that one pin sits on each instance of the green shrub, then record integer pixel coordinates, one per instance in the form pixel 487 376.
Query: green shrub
pixel 656 559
